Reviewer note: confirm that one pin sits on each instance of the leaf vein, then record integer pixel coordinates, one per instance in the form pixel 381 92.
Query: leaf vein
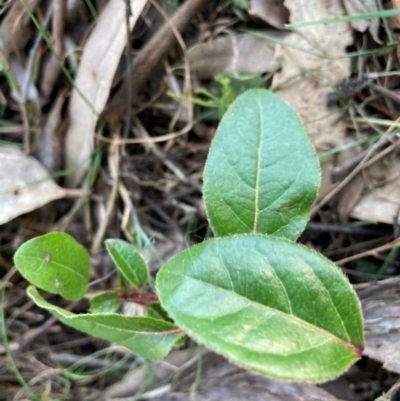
pixel 277 311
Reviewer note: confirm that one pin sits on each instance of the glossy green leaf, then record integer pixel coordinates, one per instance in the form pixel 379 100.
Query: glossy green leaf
pixel 105 302
pixel 128 261
pixel 151 338
pixel 262 173
pixel 55 262
pixel 154 309
pixel 270 305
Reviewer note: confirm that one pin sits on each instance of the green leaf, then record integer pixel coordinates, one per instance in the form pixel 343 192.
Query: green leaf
pixel 128 261
pixel 154 309
pixel 262 173
pixel 151 338
pixel 268 304
pixel 105 302
pixel 55 262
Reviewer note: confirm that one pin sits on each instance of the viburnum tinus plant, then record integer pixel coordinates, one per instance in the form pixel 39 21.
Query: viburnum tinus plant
pixel 251 293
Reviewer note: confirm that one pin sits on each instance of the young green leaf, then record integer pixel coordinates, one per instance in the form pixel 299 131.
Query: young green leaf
pixel 55 262
pixel 262 173
pixel 270 305
pixel 151 338
pixel 105 302
pixel 128 261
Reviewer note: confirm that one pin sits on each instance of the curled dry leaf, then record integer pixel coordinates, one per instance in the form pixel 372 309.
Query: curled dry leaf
pixel 381 308
pixel 380 205
pixel 15 31
pixel 25 184
pixel 233 53
pixel 382 202
pixel 361 7
pixel 312 62
pixel 97 67
pixel 273 12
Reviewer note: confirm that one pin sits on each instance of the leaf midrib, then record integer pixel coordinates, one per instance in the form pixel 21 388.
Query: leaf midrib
pixel 257 186
pixel 42 262
pixel 336 339
pixel 127 266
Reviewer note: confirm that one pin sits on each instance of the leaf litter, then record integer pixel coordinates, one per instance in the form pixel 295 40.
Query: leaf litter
pixel 25 184
pixel 95 74
pixel 143 165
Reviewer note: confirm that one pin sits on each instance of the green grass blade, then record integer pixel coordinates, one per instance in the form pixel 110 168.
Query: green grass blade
pixel 347 18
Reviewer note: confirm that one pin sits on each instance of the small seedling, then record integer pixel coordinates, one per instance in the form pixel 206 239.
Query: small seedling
pixel 251 293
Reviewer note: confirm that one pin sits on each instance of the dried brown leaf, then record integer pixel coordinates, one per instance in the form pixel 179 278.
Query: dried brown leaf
pixel 381 308
pixel 382 202
pixel 222 381
pixel 99 61
pixel 273 12
pixel 381 205
pixel 25 184
pixel 361 7
pixel 233 53
pixel 15 30
pixel 306 79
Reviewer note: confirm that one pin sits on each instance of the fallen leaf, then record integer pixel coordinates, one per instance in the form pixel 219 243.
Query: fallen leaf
pixel 233 53
pixel 98 64
pixel 273 12
pixel 15 28
pixel 222 381
pixel 312 63
pixel 381 205
pixel 382 202
pixel 361 7
pixel 381 308
pixel 25 184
